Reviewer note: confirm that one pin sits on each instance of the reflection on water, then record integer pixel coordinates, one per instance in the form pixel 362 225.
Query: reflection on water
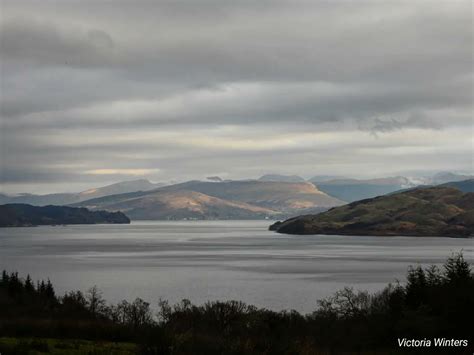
pixel 209 260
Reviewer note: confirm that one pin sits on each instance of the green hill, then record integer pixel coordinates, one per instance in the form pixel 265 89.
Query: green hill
pixel 433 211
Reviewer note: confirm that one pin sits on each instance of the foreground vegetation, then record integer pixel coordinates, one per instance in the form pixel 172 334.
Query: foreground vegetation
pixel 432 303
pixel 10 345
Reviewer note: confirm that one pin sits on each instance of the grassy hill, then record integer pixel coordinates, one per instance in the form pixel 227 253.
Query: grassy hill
pixel 433 211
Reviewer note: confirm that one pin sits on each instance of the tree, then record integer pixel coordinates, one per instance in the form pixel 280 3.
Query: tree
pixel 346 303
pixel 165 311
pixel 139 313
pixel 5 277
pixel 49 291
pixel 135 314
pixel 29 287
pixel 416 289
pixel 95 302
pixel 457 269
pixel 74 303
pixel 433 276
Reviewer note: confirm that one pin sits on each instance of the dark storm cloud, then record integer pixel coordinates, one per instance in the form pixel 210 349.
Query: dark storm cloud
pixel 85 83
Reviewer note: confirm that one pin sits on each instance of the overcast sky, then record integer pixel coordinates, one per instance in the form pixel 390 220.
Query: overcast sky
pixel 94 92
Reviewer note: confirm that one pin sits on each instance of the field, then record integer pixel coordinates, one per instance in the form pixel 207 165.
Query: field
pixel 33 346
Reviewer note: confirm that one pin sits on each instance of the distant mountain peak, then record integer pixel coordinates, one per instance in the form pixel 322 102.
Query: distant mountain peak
pixel 70 198
pixel 214 178
pixel 281 178
pixel 322 178
pixel 448 176
pixel 357 189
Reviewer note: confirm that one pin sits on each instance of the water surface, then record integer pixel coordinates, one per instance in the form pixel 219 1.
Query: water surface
pixel 215 260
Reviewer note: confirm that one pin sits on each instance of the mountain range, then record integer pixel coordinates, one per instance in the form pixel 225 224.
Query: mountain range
pixel 350 190
pixel 281 178
pixel 218 200
pixel 354 189
pixel 271 196
pixel 69 198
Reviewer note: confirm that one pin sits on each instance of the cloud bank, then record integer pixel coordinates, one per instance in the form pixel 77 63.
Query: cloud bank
pixel 98 91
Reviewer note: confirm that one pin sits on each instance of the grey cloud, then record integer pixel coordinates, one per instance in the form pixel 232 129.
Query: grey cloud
pixel 244 41
pixel 26 174
pixel 301 103
pixel 40 42
pixel 122 69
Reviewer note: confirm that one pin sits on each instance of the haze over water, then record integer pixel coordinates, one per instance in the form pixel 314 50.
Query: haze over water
pixel 215 260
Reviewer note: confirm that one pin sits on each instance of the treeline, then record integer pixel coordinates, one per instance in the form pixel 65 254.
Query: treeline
pixel 432 303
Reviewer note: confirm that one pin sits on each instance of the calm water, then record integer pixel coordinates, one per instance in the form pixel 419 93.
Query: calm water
pixel 210 260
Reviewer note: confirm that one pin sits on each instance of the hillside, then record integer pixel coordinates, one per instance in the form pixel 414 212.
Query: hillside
pixel 180 204
pixel 218 200
pixel 279 196
pixel 119 188
pixel 22 215
pixel 433 211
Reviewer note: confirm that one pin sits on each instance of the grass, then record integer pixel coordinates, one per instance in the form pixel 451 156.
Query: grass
pixel 34 346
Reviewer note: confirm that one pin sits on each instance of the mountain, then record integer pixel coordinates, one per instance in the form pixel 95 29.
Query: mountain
pixel 278 196
pixel 357 189
pixel 180 204
pixel 224 200
pixel 214 178
pixel 281 178
pixel 432 211
pixel 40 200
pixel 464 186
pixel 22 215
pixel 448 177
pixel 70 198
pixel 353 190
pixel 322 178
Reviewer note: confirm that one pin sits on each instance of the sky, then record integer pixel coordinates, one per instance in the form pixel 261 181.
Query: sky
pixel 94 92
